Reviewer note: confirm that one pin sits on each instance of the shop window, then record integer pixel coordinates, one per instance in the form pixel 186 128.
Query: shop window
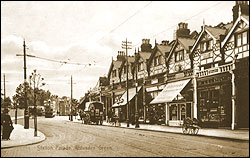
pixel 173 112
pixel 182 111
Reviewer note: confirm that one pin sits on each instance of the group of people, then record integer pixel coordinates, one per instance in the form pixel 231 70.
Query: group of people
pixel 6 125
pixel 113 118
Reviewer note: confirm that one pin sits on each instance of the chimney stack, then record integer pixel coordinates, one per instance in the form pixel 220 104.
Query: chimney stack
pixel 121 55
pixel 183 30
pixel 146 46
pixel 241 6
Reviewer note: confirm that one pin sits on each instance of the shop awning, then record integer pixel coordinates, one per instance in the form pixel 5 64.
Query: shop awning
pixel 123 99
pixel 170 92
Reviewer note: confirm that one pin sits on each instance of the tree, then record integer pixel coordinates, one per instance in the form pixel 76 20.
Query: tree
pixel 19 96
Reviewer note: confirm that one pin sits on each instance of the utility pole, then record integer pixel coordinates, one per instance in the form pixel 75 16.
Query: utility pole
pixel 4 90
pixel 71 116
pixel 125 43
pixel 26 114
pixel 136 97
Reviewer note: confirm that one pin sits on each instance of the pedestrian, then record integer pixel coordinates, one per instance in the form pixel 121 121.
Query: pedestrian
pixel 7 125
pixel 109 116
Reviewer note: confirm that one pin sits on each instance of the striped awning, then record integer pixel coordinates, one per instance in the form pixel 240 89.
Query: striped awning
pixel 170 92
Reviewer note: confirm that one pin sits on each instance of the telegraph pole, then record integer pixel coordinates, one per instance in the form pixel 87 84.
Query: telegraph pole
pixel 125 43
pixel 4 87
pixel 136 98
pixel 26 114
pixel 71 116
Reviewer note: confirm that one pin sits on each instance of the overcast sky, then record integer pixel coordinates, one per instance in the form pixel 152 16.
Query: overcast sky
pixel 89 32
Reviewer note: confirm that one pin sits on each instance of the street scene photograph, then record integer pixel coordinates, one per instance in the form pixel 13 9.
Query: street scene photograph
pixel 124 78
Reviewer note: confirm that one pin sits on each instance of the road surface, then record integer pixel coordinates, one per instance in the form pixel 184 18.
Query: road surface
pixel 68 139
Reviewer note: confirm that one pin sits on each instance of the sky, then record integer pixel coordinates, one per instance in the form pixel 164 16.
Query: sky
pixel 89 33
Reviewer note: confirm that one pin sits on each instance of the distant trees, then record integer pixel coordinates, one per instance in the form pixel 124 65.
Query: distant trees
pixel 41 96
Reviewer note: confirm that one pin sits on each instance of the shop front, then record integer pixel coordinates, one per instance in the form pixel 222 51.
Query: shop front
pixel 120 106
pixel 175 101
pixel 215 100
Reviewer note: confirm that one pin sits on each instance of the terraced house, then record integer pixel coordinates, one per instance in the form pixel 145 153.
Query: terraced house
pixel 201 75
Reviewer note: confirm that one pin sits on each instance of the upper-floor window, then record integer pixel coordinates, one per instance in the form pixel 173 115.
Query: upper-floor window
pixel 160 60
pixel 206 45
pixel 140 66
pixel 241 39
pixel 156 61
pixel 114 73
pixel 179 56
pixel 125 69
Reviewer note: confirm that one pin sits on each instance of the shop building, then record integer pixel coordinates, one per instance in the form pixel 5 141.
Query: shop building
pixel 156 81
pixel 177 94
pixel 216 55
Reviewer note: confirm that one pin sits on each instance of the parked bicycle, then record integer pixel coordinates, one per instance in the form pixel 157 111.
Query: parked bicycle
pixel 190 126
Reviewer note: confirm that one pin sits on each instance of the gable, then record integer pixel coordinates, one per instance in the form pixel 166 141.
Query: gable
pixel 240 22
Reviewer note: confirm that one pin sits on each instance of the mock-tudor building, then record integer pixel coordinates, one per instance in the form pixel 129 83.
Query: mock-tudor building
pixel 204 76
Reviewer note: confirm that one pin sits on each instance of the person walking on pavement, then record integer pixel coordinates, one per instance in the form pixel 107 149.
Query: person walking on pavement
pixel 7 125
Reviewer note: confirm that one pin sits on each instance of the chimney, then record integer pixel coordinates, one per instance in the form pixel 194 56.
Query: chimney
pixel 164 42
pixel 183 30
pixel 244 9
pixel 146 46
pixel 121 55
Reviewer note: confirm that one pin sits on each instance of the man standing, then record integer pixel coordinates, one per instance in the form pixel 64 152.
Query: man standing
pixel 7 125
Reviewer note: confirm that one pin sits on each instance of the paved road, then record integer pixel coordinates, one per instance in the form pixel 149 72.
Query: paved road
pixel 73 139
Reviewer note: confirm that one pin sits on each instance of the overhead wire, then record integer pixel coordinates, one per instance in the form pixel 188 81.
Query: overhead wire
pixel 155 35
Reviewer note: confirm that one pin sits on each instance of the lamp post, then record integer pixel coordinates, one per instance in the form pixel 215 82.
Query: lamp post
pixel 15 103
pixel 36 78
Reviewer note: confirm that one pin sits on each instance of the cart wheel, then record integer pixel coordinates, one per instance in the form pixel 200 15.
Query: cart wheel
pixel 184 130
pixel 195 130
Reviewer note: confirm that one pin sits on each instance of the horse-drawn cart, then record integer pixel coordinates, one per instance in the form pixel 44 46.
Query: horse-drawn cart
pixel 93 113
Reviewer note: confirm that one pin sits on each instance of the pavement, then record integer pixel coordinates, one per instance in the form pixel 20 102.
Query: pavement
pixel 239 134
pixel 21 136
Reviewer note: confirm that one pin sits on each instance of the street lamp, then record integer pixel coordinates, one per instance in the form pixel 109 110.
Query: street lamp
pixel 36 78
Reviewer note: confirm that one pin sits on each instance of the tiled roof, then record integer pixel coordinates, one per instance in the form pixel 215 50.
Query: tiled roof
pixel 186 42
pixel 117 64
pixel 164 48
pixel 229 26
pixel 215 31
pixel 145 55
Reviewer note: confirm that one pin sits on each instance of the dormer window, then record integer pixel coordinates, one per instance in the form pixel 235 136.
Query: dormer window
pixel 179 56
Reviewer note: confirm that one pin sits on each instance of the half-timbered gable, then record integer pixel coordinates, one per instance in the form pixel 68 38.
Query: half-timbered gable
pixel 206 50
pixel 113 73
pixel 141 64
pixel 179 60
pixel 123 69
pixel 236 43
pixel 156 63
